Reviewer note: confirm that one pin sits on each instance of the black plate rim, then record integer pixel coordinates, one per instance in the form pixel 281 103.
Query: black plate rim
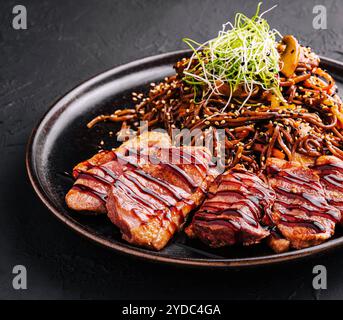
pixel 139 252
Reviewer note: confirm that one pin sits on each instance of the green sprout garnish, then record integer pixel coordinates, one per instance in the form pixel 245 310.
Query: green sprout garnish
pixel 243 54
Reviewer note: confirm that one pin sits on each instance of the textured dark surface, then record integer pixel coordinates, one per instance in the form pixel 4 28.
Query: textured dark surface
pixel 68 42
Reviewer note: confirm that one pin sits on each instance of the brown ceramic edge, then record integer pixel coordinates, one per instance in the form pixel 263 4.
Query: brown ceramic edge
pixel 221 263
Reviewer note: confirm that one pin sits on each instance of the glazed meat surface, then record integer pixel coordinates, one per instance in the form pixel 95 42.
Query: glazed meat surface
pixel 88 194
pixel 330 171
pixel 151 202
pixel 144 142
pixel 147 193
pixel 232 211
pixel 148 187
pixel 300 212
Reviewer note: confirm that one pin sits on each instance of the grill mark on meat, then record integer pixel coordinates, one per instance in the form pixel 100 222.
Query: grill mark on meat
pixel 94 176
pixel 172 167
pixel 109 172
pixel 255 199
pixel 329 173
pixel 215 221
pixel 210 210
pixel 299 181
pixel 148 191
pixel 195 160
pixel 251 202
pixel 258 187
pixel 83 188
pixel 87 189
pixel 174 191
pixel 305 207
pixel 334 180
pixel 86 165
pixel 131 194
pixel 139 198
pixel 321 205
pixel 291 220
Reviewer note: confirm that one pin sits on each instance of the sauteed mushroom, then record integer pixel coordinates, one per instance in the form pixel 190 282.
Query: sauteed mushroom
pixel 290 56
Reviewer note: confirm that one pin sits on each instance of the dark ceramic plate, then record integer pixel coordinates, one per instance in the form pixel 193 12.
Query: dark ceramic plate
pixel 62 139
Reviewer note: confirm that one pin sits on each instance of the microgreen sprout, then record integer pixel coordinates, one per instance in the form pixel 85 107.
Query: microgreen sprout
pixel 243 54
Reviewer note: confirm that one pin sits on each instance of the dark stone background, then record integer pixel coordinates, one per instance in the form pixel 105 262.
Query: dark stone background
pixel 68 42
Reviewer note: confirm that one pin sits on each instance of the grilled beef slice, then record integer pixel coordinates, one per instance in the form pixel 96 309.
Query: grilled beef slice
pixel 88 194
pixel 150 202
pixel 300 211
pixel 143 142
pixel 232 210
pixel 147 194
pixel 330 171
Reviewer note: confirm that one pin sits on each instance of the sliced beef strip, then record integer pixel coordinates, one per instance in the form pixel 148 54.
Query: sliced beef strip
pixel 147 194
pixel 232 210
pixel 90 189
pixel 330 171
pixel 141 143
pixel 88 194
pixel 150 203
pixel 300 211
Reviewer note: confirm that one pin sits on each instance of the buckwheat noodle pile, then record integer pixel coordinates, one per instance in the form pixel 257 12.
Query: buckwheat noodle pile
pixel 272 98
